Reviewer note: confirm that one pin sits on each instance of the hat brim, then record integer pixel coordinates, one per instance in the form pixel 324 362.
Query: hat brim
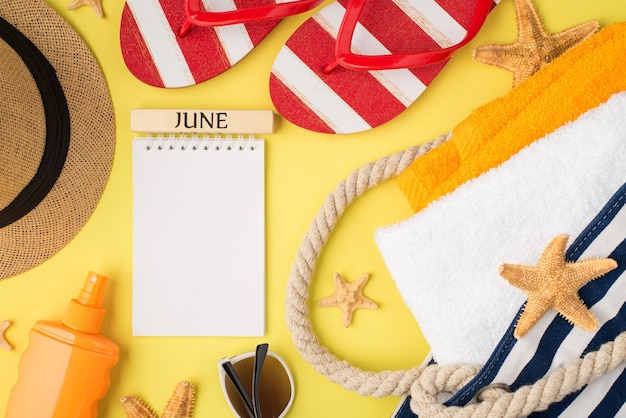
pixel 46 229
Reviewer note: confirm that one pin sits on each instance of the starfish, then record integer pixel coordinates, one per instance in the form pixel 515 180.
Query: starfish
pixel 554 284
pixel 348 297
pixel 4 344
pixel 96 6
pixel 180 404
pixel 535 47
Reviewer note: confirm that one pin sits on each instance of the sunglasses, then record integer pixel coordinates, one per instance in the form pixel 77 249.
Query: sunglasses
pixel 257 384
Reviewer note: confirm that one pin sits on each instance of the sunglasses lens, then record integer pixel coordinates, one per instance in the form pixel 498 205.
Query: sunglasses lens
pixel 274 387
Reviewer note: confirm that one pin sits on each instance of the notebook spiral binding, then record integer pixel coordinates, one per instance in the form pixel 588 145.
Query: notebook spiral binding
pixel 195 142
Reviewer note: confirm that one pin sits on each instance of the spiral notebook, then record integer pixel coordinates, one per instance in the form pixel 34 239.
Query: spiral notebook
pixel 198 236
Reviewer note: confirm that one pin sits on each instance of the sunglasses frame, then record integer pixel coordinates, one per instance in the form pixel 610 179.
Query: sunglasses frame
pixel 252 354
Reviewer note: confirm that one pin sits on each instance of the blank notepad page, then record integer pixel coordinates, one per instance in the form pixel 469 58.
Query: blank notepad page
pixel 198 237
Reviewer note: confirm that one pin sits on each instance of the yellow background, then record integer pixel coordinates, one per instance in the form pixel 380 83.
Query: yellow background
pixel 302 167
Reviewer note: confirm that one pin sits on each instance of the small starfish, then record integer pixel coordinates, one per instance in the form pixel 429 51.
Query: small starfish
pixel 96 6
pixel 348 297
pixel 554 283
pixel 4 344
pixel 135 407
pixel 180 405
pixel 535 47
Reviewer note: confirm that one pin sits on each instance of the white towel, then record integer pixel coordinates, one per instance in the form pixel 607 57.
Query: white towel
pixel 445 258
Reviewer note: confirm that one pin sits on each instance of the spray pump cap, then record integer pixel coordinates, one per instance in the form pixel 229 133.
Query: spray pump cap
pixel 85 313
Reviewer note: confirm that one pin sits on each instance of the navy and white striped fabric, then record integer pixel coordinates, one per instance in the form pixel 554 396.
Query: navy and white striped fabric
pixel 553 342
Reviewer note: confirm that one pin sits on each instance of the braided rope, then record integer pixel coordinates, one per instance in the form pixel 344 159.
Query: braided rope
pixel 424 383
pixel 531 398
pixel 350 377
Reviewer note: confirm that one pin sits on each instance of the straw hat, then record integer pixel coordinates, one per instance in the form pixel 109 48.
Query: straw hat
pixel 57 134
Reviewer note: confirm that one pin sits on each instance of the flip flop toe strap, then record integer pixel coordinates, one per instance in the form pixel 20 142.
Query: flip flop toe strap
pixel 196 16
pixel 347 59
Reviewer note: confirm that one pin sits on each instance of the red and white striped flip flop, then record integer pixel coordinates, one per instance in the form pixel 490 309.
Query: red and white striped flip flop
pixel 357 64
pixel 179 43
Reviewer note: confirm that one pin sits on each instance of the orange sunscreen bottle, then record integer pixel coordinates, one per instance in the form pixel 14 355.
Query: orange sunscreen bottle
pixel 65 369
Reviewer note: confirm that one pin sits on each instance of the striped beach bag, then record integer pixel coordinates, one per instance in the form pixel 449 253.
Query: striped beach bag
pixel 513 262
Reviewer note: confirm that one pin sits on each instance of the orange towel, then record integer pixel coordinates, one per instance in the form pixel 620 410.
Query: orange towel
pixel 580 79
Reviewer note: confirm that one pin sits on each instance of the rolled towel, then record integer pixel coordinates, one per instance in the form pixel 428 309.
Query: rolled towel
pixel 445 258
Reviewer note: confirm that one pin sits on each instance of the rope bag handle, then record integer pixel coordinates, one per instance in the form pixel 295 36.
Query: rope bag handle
pixel 423 383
